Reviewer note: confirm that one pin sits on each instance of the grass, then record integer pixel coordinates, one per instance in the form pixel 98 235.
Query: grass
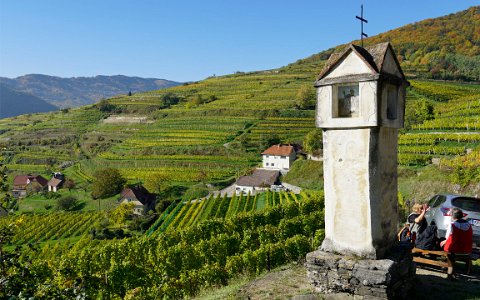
pixel 38 203
pixel 281 283
pixel 307 174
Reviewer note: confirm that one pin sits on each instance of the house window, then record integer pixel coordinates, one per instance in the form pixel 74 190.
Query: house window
pixel 391 102
pixel 267 164
pixel 283 157
pixel 347 101
pixel 273 164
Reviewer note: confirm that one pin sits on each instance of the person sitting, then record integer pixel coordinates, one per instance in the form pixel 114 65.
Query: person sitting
pixel 423 235
pixel 458 241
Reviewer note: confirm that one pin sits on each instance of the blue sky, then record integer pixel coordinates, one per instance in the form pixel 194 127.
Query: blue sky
pixel 187 40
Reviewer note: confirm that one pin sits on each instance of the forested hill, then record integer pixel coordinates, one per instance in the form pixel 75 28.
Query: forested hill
pixel 447 47
pixel 78 91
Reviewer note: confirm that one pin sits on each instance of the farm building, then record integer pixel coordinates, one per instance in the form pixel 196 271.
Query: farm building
pixel 24 184
pixel 279 157
pixel 140 196
pixel 260 180
pixel 56 182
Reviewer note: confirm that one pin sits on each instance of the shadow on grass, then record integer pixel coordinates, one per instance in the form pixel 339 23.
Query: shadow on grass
pixel 79 206
pixel 432 283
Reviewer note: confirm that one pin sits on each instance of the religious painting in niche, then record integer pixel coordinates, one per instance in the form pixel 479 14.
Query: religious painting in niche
pixel 348 98
pixel 391 102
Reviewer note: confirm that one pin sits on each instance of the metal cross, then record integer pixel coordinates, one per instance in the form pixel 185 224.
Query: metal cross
pixel 362 20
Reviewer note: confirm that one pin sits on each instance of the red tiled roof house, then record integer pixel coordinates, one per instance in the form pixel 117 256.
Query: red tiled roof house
pixel 279 157
pixel 25 184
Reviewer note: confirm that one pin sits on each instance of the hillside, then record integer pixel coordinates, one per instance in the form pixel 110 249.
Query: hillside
pixel 213 130
pixel 14 103
pixel 79 91
pixel 442 48
pixel 205 134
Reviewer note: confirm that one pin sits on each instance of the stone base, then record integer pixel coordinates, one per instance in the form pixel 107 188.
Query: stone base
pixel 390 278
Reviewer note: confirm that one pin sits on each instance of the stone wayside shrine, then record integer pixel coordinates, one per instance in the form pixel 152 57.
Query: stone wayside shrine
pixel 360 107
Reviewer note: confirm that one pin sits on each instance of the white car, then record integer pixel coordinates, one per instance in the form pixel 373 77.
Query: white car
pixel 440 215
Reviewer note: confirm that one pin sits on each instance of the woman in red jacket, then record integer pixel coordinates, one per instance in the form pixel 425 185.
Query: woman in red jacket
pixel 459 240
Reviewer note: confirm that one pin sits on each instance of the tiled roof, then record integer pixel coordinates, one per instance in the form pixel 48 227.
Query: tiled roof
pixel 137 192
pixel 259 178
pixel 282 150
pixel 373 56
pixel 23 179
pixel 54 182
pixel 20 180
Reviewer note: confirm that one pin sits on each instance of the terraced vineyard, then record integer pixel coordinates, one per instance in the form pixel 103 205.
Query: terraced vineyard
pixel 454 129
pixel 186 214
pixel 51 227
pixel 178 263
pixel 185 145
pixel 209 141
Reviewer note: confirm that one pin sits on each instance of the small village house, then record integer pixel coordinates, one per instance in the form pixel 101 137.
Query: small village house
pixel 56 182
pixel 140 196
pixel 25 184
pixel 260 180
pixel 279 157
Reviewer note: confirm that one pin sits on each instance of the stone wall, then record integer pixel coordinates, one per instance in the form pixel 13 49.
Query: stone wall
pixel 389 278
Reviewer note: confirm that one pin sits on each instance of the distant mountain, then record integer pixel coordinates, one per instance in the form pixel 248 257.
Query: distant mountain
pixel 78 91
pixel 14 103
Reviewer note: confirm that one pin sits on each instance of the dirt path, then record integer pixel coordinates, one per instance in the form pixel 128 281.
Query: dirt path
pixel 433 284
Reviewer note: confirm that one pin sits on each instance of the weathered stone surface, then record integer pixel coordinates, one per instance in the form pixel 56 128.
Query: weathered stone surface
pixel 389 278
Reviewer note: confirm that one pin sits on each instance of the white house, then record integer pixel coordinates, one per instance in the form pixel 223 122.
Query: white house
pixel 260 180
pixel 279 157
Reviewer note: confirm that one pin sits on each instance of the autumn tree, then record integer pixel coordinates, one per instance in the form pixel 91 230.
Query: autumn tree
pixel 69 184
pixel 305 98
pixel 6 200
pixel 107 182
pixel 313 142
pixel 121 213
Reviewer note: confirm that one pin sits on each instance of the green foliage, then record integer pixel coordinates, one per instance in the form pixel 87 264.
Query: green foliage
pixel 418 112
pixel 69 184
pixel 120 214
pixel 68 203
pixel 177 263
pixel 169 99
pixel 107 182
pixel 313 142
pixel 6 199
pixel 105 106
pixel 306 174
pixel 305 97
pixel 195 192
pixel 196 100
